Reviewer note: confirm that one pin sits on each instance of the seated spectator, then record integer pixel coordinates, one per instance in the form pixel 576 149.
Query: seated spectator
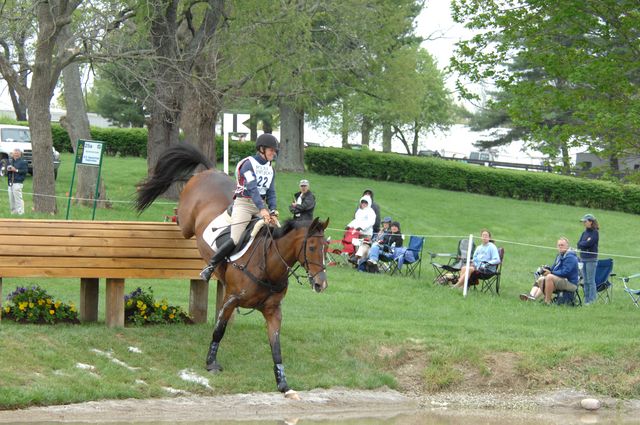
pixel 485 259
pixel 385 247
pixel 376 209
pixel 364 217
pixel 561 276
pixel 363 251
pixel 304 202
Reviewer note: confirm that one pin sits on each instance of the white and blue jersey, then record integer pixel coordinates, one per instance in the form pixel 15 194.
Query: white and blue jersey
pixel 255 179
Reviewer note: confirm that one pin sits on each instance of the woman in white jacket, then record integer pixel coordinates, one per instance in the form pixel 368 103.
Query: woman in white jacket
pixel 364 217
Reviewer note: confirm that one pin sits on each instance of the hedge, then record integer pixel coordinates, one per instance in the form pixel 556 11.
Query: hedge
pixel 133 142
pixel 459 176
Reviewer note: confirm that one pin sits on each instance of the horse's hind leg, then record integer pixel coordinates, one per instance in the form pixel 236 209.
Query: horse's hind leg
pixel 218 333
pixel 273 316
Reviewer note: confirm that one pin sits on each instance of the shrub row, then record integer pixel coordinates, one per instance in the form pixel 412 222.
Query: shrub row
pixel 457 176
pixel 133 142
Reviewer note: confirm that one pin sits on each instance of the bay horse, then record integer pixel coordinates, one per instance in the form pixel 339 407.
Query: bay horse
pixel 257 280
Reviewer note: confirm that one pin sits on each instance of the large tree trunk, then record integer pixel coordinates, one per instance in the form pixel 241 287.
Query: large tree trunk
pixel 198 123
pixel 416 138
pixel 366 130
pixel 253 128
pixel 76 123
pixel 19 104
pixel 566 159
pixel 44 188
pixel 291 155
pixel 386 138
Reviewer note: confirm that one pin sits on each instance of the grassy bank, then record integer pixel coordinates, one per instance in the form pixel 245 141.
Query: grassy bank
pixel 365 331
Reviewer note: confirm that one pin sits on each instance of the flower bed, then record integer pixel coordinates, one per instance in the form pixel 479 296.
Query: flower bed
pixel 140 308
pixel 35 305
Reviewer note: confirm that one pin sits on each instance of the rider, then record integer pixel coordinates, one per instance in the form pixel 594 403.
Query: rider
pixel 255 190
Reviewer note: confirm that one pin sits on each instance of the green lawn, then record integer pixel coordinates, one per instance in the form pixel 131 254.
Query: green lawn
pixel 364 329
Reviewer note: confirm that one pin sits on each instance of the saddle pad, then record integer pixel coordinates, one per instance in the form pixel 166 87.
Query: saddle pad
pixel 220 225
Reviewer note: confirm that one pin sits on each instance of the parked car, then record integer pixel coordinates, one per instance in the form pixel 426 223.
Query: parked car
pixel 16 136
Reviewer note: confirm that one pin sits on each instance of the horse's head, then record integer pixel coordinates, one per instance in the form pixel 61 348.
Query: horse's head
pixel 312 255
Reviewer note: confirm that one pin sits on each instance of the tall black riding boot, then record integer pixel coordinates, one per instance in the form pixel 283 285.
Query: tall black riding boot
pixel 218 257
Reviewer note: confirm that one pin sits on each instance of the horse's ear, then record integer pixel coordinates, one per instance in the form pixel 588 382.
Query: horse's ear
pixel 325 224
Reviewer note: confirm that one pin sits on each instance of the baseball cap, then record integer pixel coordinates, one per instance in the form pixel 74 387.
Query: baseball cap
pixel 304 182
pixel 387 219
pixel 588 217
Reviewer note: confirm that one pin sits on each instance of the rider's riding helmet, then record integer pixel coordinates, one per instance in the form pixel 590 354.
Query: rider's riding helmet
pixel 268 141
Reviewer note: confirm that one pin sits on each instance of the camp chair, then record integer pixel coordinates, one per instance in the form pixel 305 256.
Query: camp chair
pixel 450 271
pixel 340 250
pixel 604 287
pixel 490 282
pixel 633 293
pixel 411 257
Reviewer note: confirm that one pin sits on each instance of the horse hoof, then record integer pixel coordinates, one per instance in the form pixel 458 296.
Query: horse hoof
pixel 293 395
pixel 214 368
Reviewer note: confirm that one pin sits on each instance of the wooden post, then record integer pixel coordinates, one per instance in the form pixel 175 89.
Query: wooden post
pixel 114 312
pixel 0 299
pixel 198 300
pixel 89 293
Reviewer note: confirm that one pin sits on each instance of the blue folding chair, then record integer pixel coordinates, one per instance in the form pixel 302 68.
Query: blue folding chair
pixel 604 270
pixel 410 258
pixel 633 293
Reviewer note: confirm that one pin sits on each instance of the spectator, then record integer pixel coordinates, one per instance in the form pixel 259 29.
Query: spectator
pixel 588 246
pixel 385 247
pixel 304 202
pixel 485 259
pixel 562 276
pixel 364 217
pixel 376 209
pixel 363 250
pixel 16 172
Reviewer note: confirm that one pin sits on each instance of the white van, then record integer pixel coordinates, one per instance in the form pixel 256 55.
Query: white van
pixel 16 136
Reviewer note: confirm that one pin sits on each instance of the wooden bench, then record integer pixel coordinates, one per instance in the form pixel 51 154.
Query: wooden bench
pixel 114 250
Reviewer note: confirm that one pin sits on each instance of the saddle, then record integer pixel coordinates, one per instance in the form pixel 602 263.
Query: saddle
pixel 219 231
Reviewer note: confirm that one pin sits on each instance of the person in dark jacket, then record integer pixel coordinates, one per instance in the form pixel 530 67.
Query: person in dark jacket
pixel 385 247
pixel 376 209
pixel 562 276
pixel 17 169
pixel 304 202
pixel 588 246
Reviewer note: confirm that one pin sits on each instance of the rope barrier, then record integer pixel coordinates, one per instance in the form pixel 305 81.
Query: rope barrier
pixel 404 235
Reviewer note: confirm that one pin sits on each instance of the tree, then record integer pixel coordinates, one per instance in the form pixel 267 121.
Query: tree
pixel 586 53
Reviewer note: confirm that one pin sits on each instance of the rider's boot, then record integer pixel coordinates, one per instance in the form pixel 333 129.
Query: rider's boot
pixel 222 253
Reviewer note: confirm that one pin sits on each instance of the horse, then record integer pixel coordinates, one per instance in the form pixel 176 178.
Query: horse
pixel 257 280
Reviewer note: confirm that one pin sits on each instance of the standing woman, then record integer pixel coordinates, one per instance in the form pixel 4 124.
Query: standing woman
pixel 485 259
pixel 588 246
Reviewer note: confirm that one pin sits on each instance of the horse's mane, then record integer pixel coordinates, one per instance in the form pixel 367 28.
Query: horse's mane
pixel 291 224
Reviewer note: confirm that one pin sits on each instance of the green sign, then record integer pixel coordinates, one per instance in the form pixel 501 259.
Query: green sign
pixel 88 152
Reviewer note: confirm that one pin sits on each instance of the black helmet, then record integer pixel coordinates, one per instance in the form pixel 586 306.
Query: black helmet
pixel 267 140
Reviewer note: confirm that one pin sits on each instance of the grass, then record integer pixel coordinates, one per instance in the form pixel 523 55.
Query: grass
pixel 364 330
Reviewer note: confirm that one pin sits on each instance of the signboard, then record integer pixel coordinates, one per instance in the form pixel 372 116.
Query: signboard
pixel 88 152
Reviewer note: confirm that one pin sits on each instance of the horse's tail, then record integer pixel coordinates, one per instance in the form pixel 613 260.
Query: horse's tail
pixel 176 163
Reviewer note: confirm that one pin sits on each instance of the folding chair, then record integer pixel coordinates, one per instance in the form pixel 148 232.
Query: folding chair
pixel 339 251
pixel 451 270
pixel 604 287
pixel 490 281
pixel 633 293
pixel 411 258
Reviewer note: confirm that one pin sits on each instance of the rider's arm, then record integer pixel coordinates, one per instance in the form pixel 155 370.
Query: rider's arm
pixel 271 194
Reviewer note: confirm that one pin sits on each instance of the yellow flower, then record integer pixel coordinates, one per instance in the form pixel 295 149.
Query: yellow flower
pixel 72 308
pixel 49 301
pixel 52 312
pixel 7 309
pixel 57 304
pixel 31 305
pixel 156 304
pixel 171 316
pixel 40 301
pixel 164 307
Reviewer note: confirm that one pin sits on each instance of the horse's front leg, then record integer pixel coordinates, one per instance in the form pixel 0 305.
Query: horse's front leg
pixel 273 316
pixel 218 332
